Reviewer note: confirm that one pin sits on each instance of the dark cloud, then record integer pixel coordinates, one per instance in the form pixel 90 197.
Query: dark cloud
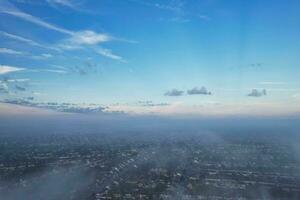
pixel 196 91
pixel 256 65
pixel 257 93
pixel 5 79
pixel 174 93
pixel 30 98
pixel 86 68
pixel 60 107
pixel 20 88
pixel 3 87
pixel 3 90
pixel 8 85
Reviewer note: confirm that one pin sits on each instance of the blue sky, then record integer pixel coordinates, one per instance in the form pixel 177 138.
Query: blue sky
pixel 202 57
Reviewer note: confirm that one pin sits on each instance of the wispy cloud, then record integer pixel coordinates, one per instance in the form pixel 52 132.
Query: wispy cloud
pixel 5 69
pixel 66 3
pixel 59 67
pixel 55 71
pixel 10 51
pixel 86 38
pixel 81 37
pixel 108 53
pixel 151 104
pixel 140 104
pixel 15 52
pixel 15 80
pixel 77 39
pixel 178 20
pixel 42 56
pixel 28 55
pixel 19 38
pixel 48 70
pixel 8 8
pixel 271 83
pixel 174 5
pixel 71 4
pixel 26 41
pixel 177 8
pixel 203 17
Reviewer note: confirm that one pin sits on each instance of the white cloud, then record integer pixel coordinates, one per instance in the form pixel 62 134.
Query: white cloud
pixel 108 53
pixel 55 71
pixel 48 70
pixel 10 51
pixel 5 69
pixel 88 37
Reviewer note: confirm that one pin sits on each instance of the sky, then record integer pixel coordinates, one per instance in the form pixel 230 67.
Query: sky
pixel 173 57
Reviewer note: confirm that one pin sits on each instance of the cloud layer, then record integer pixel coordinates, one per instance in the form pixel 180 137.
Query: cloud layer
pixel 60 107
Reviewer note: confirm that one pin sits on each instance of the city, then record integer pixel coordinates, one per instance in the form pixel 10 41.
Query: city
pixel 208 165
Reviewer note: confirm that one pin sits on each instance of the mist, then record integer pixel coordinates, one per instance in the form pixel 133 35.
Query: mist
pixel 86 157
